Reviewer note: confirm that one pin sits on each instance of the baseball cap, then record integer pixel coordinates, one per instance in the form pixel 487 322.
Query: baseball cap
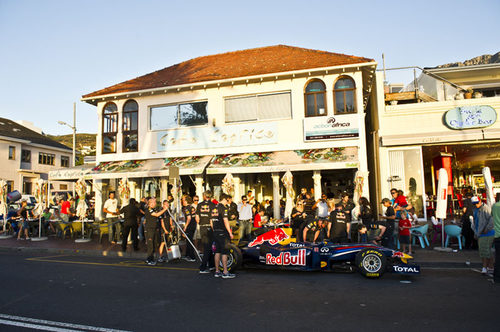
pixel 475 199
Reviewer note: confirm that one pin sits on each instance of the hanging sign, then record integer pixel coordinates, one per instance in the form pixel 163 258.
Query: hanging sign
pixel 469 117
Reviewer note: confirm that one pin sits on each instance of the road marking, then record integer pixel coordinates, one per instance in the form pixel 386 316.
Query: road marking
pixel 121 264
pixel 47 325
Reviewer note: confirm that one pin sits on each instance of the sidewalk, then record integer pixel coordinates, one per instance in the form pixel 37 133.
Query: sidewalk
pixel 54 246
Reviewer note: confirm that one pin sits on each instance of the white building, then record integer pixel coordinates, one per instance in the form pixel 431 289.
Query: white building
pixel 254 113
pixel 28 155
pixel 439 125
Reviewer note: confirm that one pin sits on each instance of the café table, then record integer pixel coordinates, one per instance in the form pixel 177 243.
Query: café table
pixel 83 239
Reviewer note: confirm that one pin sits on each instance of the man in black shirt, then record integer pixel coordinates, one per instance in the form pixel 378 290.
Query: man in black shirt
pixel 152 228
pixel 310 230
pixel 131 214
pixel 308 205
pixel 338 225
pixel 203 216
pixel 222 236
pixel 189 226
pixel 390 219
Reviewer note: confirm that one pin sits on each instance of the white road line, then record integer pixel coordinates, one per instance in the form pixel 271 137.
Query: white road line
pixel 50 325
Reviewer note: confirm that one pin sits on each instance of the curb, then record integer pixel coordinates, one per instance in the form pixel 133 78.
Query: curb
pixel 87 252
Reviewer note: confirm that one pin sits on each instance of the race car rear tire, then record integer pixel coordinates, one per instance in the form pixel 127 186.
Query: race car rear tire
pixel 234 259
pixel 371 263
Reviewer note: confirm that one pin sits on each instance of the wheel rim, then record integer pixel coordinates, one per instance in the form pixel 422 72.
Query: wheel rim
pixel 372 263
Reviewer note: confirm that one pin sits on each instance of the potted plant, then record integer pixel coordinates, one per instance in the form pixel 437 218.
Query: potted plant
pixel 468 93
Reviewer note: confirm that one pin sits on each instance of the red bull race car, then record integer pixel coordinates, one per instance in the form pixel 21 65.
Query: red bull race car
pixel 277 249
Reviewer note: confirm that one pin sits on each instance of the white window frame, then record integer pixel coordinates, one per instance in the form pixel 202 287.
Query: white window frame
pixel 178 104
pixel 256 95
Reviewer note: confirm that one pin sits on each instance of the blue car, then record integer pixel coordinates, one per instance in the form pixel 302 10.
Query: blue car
pixel 276 249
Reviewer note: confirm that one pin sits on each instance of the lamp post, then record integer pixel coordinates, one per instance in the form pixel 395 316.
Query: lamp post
pixel 73 127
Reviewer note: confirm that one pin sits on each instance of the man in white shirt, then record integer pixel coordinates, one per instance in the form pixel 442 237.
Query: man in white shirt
pixel 245 218
pixel 321 208
pixel 111 210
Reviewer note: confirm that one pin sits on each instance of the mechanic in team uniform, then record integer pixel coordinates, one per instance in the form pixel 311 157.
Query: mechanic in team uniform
pixel 190 226
pixel 152 228
pixel 310 230
pixel 203 215
pixel 222 236
pixel 339 225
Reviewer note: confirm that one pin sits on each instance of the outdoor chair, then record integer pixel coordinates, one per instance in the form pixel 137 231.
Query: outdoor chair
pixel 420 232
pixel 453 231
pixel 76 227
pixel 102 229
pixel 63 228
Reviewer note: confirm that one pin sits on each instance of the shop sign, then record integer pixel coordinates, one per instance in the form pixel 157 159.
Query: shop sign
pixel 217 137
pixel 331 127
pixel 469 117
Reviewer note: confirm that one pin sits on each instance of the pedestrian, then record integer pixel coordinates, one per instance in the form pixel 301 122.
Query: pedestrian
pixel 338 226
pixel 23 223
pixel 152 228
pixel 232 210
pixel 165 230
pixel 467 232
pixel 495 212
pixel 404 232
pixel 222 237
pixel 390 218
pixel 131 214
pixel 190 226
pixel 321 208
pixel 143 204
pixel 245 218
pixel 203 216
pixel 484 232
pixel 111 209
pixel 308 205
pixel 366 232
pixel 64 213
pixel 298 217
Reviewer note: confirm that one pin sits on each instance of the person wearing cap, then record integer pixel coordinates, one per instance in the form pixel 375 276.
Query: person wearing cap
pixel 390 218
pixel 484 231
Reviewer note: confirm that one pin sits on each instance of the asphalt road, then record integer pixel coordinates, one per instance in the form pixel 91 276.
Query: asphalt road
pixel 65 293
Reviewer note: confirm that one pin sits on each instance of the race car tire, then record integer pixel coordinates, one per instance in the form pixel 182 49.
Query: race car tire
pixel 234 259
pixel 371 263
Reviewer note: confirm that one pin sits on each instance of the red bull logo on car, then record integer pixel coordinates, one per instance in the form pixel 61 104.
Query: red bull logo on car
pixel 286 258
pixel 273 237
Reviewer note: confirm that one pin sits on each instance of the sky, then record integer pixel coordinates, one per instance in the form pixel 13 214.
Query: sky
pixel 53 52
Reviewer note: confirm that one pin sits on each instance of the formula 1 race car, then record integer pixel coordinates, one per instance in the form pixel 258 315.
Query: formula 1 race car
pixel 277 249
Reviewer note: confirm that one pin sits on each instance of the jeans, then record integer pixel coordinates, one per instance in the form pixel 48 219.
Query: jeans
pixel 141 230
pixel 111 227
pixel 245 229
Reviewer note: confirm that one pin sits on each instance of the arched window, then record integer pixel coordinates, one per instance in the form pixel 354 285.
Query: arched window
pixel 343 93
pixel 130 127
pixel 109 128
pixel 315 98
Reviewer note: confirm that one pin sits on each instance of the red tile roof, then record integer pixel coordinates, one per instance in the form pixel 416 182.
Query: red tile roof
pixel 251 62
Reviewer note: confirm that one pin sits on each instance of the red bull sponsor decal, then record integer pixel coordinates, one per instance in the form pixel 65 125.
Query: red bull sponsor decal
pixel 398 254
pixel 273 237
pixel 286 258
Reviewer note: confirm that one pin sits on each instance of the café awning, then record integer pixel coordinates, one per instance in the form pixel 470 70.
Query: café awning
pixel 133 168
pixel 281 161
pixel 150 168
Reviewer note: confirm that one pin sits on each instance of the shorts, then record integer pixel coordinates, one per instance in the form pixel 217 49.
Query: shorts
pixel 26 224
pixel 404 239
pixel 485 243
pixel 221 240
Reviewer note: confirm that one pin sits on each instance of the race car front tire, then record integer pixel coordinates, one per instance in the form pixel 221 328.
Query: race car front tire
pixel 234 259
pixel 371 263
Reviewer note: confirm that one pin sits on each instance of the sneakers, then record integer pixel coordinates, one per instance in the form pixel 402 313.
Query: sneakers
pixel 162 259
pixel 228 276
pixel 204 271
pixel 152 263
pixel 484 271
pixel 218 274
pixel 189 259
pixel 212 268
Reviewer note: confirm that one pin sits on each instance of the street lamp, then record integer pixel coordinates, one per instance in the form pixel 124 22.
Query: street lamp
pixel 73 127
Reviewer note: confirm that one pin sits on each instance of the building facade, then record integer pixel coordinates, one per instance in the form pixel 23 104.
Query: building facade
pixel 28 155
pixel 450 122
pixel 253 113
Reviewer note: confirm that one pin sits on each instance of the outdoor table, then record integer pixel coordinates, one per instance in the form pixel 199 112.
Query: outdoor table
pixel 34 223
pixel 83 239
